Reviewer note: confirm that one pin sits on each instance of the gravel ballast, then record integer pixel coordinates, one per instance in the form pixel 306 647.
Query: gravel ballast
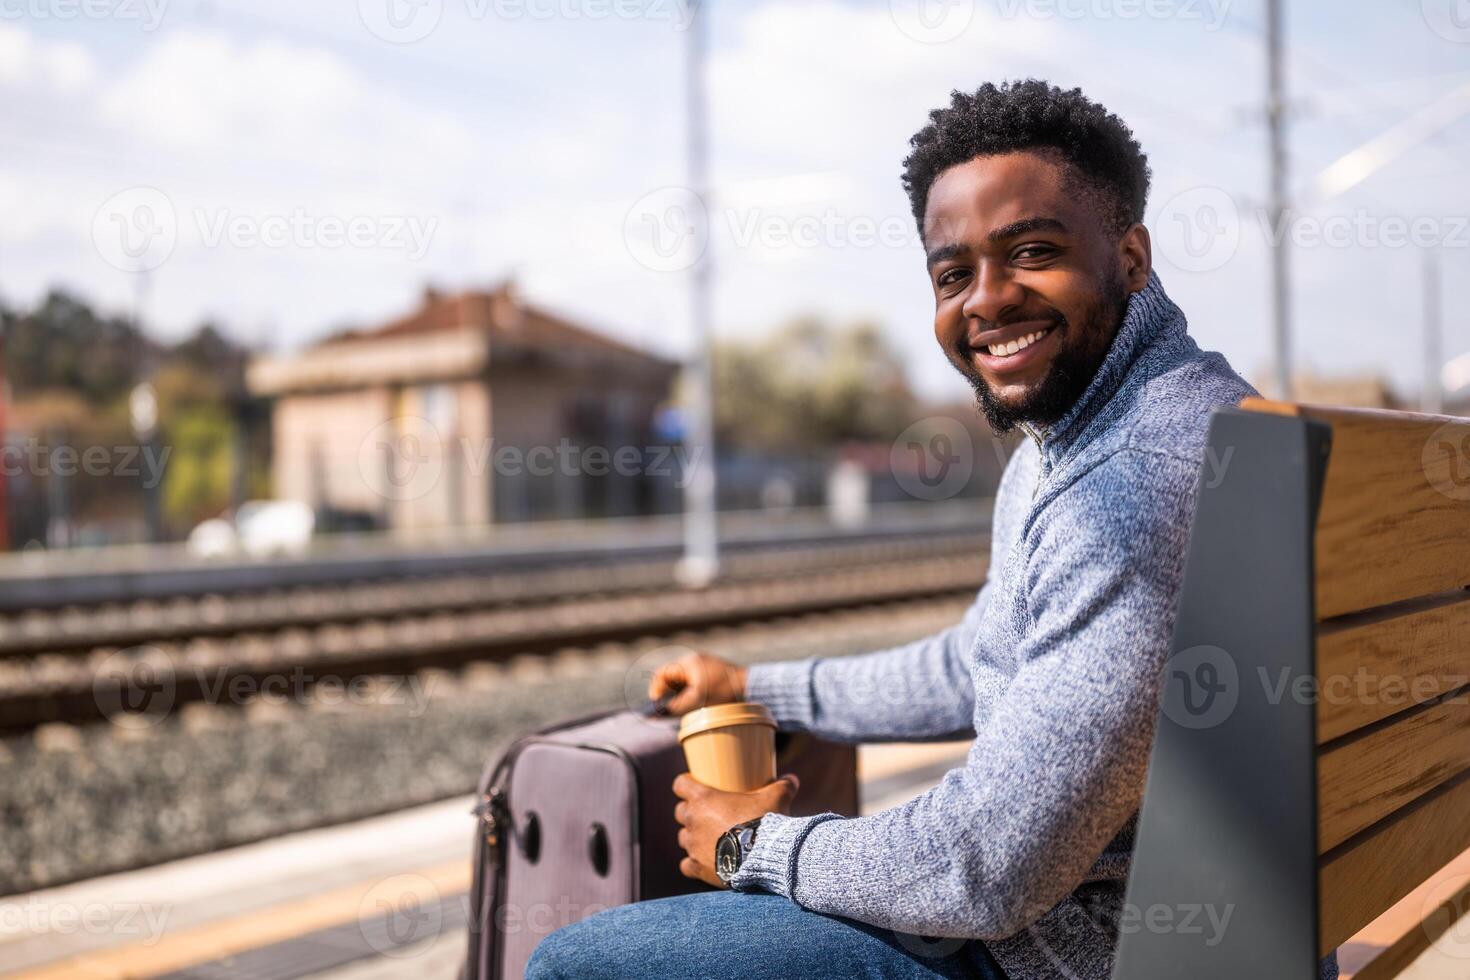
pixel 80 802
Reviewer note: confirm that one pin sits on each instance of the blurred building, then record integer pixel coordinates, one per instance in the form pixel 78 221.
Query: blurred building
pixel 474 408
pixel 1348 390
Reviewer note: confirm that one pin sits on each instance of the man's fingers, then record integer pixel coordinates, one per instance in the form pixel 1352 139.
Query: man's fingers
pixel 688 699
pixel 686 787
pixel 689 868
pixel 668 678
pixel 793 780
pixel 681 813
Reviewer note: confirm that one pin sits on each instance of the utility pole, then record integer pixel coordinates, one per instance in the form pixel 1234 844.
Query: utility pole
pixel 701 561
pixel 1432 396
pixel 1276 110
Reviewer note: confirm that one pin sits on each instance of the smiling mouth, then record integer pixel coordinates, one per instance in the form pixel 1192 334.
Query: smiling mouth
pixel 1019 344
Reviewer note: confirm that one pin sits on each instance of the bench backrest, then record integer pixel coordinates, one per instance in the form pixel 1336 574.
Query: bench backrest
pixel 1312 765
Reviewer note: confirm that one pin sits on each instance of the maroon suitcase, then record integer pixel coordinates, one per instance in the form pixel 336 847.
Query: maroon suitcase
pixel 580 817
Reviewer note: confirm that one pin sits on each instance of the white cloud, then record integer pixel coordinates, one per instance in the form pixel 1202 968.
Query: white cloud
pixel 28 63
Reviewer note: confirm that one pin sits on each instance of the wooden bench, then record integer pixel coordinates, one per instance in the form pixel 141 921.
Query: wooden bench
pixel 1312 765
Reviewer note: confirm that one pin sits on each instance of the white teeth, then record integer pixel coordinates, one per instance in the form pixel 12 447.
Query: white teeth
pixel 1007 349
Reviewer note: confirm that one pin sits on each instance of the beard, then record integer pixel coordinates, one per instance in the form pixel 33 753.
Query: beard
pixel 1082 346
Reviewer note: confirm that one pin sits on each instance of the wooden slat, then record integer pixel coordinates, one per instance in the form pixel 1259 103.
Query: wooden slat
pixel 1359 881
pixel 1395 517
pixel 1366 779
pixel 1372 670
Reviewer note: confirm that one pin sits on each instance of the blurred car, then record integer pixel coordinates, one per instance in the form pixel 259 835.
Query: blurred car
pixel 260 529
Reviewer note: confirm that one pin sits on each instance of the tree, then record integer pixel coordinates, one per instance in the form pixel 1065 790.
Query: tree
pixel 809 385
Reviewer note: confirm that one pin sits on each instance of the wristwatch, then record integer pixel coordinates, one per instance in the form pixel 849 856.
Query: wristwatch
pixel 732 847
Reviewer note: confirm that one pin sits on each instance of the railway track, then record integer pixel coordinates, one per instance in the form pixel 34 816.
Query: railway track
pixel 79 629
pixel 427 625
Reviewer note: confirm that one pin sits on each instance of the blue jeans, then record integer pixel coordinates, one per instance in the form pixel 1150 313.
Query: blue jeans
pixel 744 936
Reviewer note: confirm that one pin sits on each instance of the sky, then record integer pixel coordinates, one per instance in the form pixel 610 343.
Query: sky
pixel 285 169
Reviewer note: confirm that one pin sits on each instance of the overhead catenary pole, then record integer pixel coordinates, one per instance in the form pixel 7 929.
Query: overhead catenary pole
pixel 701 534
pixel 1276 113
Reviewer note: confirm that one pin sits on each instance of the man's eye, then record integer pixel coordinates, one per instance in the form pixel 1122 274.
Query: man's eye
pixel 1034 252
pixel 951 277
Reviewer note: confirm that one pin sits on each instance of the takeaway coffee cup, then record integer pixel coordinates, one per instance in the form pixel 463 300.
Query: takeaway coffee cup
pixel 730 747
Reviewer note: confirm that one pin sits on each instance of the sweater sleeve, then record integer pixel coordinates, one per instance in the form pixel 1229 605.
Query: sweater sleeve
pixel 919 691
pixel 1059 763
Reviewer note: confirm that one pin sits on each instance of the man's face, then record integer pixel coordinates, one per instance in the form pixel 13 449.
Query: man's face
pixel 1029 284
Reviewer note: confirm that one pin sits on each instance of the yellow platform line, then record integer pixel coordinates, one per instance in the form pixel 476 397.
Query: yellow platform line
pixel 264 927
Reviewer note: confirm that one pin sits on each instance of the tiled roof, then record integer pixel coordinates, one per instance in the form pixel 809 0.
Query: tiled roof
pixel 509 320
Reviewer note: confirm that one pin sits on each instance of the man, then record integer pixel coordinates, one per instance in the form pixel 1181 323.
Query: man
pixel 1030 203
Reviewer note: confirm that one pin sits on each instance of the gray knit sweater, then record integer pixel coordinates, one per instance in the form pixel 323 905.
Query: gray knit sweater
pixel 1056 670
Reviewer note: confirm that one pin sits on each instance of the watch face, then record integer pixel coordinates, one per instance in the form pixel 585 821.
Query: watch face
pixel 727 857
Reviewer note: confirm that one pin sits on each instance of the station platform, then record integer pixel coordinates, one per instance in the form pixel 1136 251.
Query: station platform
pixel 387 897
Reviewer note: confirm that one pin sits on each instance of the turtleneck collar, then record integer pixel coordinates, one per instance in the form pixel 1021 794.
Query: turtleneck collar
pixel 1151 316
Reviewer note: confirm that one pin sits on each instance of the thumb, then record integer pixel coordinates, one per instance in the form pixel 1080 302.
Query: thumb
pixel 791 780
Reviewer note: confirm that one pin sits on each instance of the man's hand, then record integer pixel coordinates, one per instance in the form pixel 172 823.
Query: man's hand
pixel 695 680
pixel 704 814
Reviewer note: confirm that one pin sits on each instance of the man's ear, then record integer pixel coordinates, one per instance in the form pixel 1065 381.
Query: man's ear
pixel 1135 251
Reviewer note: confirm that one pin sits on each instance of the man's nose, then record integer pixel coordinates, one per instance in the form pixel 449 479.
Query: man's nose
pixel 993 294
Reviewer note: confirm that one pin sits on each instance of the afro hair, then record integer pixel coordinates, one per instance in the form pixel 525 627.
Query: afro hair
pixel 1033 115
